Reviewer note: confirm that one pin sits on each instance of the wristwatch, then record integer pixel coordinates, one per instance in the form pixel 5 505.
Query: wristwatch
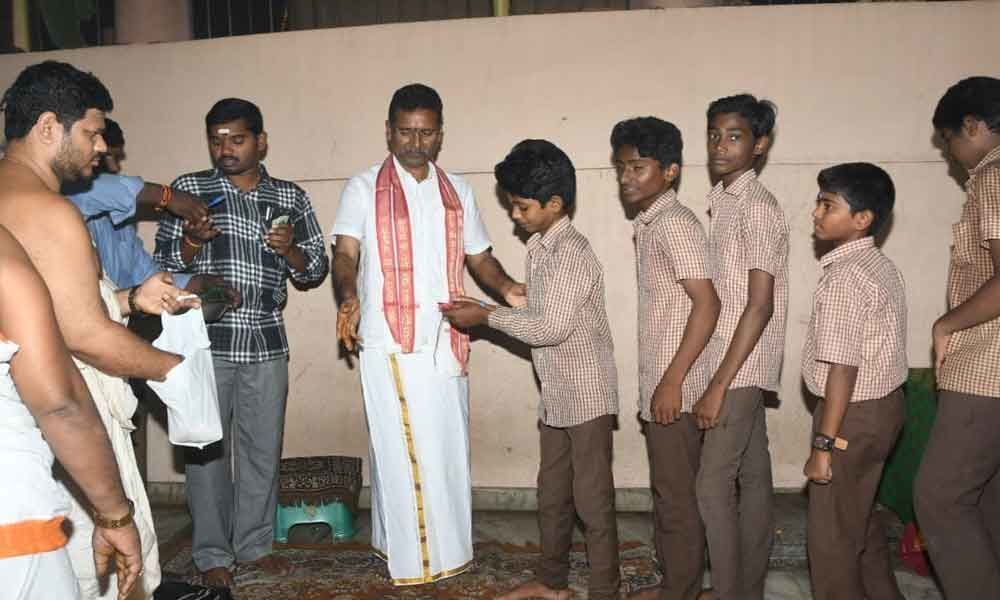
pixel 822 442
pixel 133 308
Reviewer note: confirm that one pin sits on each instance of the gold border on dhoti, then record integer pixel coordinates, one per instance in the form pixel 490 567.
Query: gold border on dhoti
pixel 404 415
pixel 434 577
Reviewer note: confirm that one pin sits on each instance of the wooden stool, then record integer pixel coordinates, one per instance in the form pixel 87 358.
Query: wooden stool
pixel 318 489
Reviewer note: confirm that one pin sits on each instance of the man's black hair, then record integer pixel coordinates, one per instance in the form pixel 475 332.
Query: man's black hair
pixel 976 97
pixel 761 114
pixel 416 96
pixel 233 109
pixel 55 87
pixel 652 138
pixel 113 135
pixel 863 186
pixel 538 169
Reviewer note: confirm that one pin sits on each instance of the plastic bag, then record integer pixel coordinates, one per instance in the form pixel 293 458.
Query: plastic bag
pixel 189 392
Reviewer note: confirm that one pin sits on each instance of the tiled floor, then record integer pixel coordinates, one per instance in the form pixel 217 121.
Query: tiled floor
pixel 787 580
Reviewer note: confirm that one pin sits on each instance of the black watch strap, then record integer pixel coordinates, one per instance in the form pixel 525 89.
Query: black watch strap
pixel 822 442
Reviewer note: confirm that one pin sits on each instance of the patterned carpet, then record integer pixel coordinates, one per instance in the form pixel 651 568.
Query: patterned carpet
pixel 351 571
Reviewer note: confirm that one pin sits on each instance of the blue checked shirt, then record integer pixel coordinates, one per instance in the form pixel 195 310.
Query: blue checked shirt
pixel 256 331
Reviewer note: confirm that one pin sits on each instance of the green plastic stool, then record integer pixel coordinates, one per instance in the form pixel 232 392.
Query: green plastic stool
pixel 336 515
pixel 318 489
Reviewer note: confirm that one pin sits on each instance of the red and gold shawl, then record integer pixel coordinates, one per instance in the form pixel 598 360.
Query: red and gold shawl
pixel 395 246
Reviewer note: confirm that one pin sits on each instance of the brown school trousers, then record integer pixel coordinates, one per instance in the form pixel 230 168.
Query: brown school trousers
pixel 848 552
pixel 674 455
pixel 574 478
pixel 736 496
pixel 958 495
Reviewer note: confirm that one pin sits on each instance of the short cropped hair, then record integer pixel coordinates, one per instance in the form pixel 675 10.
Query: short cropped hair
pixel 538 169
pixel 976 97
pixel 416 96
pixel 652 138
pixel 113 135
pixel 55 87
pixel 761 114
pixel 863 186
pixel 233 109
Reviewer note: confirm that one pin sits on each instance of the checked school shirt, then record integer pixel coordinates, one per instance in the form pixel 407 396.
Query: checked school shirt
pixel 566 325
pixel 671 246
pixel 254 332
pixel 972 360
pixel 748 231
pixel 858 320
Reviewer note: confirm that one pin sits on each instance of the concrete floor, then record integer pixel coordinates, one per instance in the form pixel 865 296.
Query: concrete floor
pixel 788 578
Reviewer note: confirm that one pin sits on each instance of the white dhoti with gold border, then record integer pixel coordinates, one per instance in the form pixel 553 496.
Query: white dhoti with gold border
pixel 416 403
pixel 116 403
pixel 418 424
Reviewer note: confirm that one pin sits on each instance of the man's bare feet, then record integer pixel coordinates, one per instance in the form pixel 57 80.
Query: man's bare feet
pixel 272 564
pixel 646 594
pixel 707 594
pixel 536 589
pixel 218 577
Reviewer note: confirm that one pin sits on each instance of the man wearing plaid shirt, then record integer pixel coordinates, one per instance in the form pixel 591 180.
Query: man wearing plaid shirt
pixel 854 360
pixel 264 232
pixel 958 484
pixel 566 324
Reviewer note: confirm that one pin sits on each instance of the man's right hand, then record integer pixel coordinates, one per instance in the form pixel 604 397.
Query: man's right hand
pixel 157 295
pixel 202 231
pixel 348 318
pixel 124 547
pixel 189 207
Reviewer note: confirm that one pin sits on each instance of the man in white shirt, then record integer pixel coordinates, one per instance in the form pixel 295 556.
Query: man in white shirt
pixel 404 232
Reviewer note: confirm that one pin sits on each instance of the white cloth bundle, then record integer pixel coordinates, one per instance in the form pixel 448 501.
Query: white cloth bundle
pixel 189 392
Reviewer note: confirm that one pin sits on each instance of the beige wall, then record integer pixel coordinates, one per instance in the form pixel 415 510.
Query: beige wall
pixel 852 82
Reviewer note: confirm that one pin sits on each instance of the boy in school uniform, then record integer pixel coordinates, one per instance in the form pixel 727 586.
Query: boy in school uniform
pixel 748 245
pixel 566 324
pixel 958 484
pixel 854 360
pixel 678 310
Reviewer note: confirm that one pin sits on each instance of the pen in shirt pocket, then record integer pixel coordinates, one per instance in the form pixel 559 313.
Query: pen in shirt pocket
pixel 215 201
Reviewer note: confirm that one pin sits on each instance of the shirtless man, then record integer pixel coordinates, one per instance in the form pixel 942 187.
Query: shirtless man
pixel 54 117
pixel 50 412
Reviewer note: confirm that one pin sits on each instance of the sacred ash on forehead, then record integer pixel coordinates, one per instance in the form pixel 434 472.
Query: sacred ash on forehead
pixel 222 131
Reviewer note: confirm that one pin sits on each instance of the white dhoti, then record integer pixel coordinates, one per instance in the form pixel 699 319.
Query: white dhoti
pixel 418 424
pixel 416 403
pixel 116 403
pixel 43 576
pixel 30 496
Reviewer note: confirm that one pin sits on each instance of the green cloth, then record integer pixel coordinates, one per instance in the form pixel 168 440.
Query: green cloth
pixel 895 491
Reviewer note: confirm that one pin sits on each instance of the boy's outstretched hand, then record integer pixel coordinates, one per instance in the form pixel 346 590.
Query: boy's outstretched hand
pixel 465 312
pixel 818 468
